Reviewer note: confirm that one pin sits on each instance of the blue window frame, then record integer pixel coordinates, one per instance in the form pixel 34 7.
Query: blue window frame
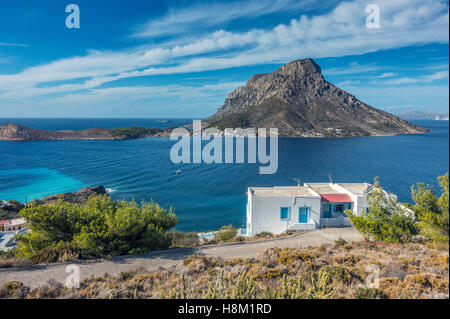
pixel 349 205
pixel 303 214
pixel 285 213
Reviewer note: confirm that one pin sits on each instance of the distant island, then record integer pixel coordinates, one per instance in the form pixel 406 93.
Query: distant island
pixel 423 115
pixel 14 132
pixel 298 101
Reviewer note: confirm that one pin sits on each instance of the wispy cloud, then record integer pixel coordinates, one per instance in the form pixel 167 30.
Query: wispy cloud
pixel 420 79
pixel 407 106
pixel 338 32
pixel 6 44
pixel 387 75
pixel 353 68
pixel 183 20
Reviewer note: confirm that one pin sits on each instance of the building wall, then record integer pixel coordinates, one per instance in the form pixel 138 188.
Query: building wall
pixel 264 213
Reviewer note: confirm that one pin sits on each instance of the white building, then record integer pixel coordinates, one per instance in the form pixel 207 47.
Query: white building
pixel 15 224
pixel 313 205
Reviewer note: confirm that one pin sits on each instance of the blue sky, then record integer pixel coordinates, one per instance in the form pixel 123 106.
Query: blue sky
pixel 181 58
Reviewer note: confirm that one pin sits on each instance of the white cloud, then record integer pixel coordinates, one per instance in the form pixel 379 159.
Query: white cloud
pixel 407 106
pixel 353 68
pixel 339 32
pixel 387 75
pixel 6 44
pixel 202 16
pixel 421 79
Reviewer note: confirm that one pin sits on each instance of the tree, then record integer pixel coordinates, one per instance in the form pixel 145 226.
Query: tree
pixel 100 228
pixel 432 212
pixel 385 219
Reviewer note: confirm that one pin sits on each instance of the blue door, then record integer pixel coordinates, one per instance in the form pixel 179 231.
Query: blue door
pixel 326 210
pixel 303 214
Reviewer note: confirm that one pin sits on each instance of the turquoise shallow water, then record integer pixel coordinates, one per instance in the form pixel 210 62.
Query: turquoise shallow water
pixel 35 183
pixel 208 196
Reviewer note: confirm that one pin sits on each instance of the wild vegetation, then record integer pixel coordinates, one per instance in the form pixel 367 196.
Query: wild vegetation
pixel 337 270
pixel 388 220
pixel 102 227
pixel 133 132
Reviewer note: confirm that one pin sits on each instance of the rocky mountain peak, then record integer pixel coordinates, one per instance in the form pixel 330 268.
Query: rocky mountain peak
pixel 298 101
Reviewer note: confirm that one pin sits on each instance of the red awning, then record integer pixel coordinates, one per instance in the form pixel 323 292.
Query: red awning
pixel 2 222
pixel 336 198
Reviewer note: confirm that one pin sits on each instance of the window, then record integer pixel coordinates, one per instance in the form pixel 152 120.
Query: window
pixel 349 205
pixel 284 213
pixel 338 208
pixel 303 214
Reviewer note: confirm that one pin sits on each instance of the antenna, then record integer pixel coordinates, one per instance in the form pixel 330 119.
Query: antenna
pixel 331 178
pixel 298 180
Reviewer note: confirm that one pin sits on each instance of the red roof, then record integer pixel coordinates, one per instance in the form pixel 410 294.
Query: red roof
pixel 336 198
pixel 2 222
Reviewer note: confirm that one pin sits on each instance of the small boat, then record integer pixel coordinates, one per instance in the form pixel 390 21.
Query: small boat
pixel 179 171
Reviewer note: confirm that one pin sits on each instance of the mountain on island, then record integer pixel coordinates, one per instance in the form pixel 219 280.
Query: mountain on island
pixel 298 101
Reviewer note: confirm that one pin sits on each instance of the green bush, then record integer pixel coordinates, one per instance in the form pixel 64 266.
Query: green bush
pixel 432 212
pixel 100 228
pixel 133 132
pixel 386 219
pixel 226 233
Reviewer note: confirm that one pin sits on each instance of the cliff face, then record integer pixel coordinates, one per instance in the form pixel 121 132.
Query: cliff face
pixel 298 101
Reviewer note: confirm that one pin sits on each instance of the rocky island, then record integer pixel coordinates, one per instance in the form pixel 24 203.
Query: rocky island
pixel 14 132
pixel 298 101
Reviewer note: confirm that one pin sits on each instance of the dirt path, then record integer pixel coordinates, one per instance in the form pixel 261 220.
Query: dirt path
pixel 36 275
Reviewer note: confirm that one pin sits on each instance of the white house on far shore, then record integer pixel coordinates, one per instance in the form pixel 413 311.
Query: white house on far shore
pixel 313 205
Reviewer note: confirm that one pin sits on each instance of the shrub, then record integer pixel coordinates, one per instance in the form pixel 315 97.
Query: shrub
pixel 180 239
pixel 386 219
pixel 226 233
pixel 370 293
pixel 264 234
pixel 288 256
pixel 431 211
pixel 337 273
pixel 340 242
pixel 100 228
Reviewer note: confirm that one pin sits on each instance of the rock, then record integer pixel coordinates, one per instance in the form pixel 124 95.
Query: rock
pixel 298 101
pixel 79 197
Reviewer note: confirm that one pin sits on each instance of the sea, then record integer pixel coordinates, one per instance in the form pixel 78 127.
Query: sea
pixel 207 196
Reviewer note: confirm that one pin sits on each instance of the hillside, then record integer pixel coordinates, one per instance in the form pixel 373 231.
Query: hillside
pixel 298 101
pixel 338 270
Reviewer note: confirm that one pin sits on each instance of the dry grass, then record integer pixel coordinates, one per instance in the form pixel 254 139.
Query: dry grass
pixel 327 271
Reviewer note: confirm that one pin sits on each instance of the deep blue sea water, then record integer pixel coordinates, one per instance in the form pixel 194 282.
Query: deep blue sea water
pixel 207 196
